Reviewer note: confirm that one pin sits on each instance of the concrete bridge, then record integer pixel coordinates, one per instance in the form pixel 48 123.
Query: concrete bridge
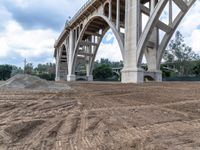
pixel 82 35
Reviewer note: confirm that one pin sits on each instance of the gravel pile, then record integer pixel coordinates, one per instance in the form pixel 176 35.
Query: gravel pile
pixel 29 82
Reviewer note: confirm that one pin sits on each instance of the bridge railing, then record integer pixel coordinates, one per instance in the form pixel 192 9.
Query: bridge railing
pixel 79 12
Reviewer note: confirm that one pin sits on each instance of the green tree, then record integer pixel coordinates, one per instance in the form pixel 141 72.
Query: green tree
pixel 5 72
pixel 105 61
pixel 41 68
pixel 28 68
pixel 102 72
pixel 180 55
pixel 45 71
pixel 196 69
pixel 16 70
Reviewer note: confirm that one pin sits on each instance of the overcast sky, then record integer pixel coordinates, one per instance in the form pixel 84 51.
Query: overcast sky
pixel 29 28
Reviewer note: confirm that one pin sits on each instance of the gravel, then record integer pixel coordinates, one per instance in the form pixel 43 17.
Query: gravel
pixel 29 82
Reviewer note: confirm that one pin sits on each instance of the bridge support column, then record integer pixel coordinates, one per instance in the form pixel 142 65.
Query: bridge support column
pixel 57 66
pixel 88 72
pixel 71 76
pixel 151 53
pixel 133 76
pixel 156 75
pixel 132 73
pixel 152 58
pixel 89 49
pixel 90 77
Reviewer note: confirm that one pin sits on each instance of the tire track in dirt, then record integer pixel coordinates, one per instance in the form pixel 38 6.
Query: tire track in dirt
pixel 145 106
pixel 98 118
pixel 39 137
pixel 6 138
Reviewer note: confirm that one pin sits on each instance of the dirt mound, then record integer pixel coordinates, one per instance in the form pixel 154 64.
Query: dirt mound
pixel 24 81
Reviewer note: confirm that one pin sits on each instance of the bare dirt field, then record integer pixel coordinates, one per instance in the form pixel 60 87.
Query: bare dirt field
pixel 100 116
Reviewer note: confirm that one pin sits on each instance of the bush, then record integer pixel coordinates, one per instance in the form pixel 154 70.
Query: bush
pixel 102 72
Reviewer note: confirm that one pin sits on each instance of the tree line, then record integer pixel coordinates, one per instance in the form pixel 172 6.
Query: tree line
pixel 44 71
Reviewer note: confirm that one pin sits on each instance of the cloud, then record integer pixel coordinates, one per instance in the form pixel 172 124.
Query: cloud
pixel 18 44
pixel 4 17
pixel 109 48
pixel 189 27
pixel 34 14
pixel 29 28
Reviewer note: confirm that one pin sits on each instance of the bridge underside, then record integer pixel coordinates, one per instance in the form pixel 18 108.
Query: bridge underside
pixel 78 44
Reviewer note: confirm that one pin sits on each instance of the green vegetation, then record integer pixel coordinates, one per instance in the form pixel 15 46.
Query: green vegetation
pixel 103 70
pixel 180 60
pixel 45 71
pixel 5 72
pixel 196 69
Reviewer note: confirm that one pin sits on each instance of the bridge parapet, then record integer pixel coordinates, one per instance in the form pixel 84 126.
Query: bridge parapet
pixel 80 11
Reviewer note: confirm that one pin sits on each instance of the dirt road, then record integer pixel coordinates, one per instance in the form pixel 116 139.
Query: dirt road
pixel 151 116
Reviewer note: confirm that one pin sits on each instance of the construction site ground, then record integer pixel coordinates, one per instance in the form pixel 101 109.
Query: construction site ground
pixel 102 116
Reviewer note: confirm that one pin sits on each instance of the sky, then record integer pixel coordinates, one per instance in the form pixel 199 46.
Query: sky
pixel 29 28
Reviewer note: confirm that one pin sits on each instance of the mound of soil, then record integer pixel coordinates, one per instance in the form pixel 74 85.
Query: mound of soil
pixel 24 81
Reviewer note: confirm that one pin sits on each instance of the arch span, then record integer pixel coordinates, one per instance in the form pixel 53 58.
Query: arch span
pixel 91 36
pixel 154 22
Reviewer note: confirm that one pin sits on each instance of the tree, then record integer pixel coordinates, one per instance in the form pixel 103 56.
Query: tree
pixel 180 55
pixel 101 66
pixel 102 72
pixel 16 70
pixel 41 68
pixel 28 68
pixel 196 69
pixel 5 72
pixel 45 71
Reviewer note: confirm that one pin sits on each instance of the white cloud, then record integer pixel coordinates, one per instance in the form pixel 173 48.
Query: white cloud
pixel 109 50
pixel 31 44
pixel 36 44
pixel 17 43
pixel 195 40
pixel 189 27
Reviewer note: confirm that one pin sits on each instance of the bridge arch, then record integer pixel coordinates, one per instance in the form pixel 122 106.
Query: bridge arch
pixel 84 39
pixel 169 29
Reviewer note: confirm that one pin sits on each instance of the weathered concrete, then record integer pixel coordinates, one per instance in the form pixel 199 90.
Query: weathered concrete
pixel 77 46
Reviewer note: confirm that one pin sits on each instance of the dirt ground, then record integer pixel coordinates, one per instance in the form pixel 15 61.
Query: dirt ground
pixel 102 116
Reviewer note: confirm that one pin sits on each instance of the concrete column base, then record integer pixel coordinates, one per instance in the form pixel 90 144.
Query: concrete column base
pixel 133 75
pixel 90 78
pixel 71 77
pixel 57 79
pixel 157 75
